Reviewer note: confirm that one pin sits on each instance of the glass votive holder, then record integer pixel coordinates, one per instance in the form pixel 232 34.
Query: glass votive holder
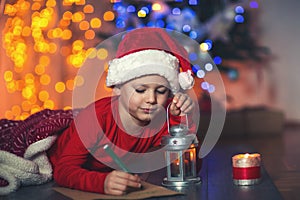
pixel 246 169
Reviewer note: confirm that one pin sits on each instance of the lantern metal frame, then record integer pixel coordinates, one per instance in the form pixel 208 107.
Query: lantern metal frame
pixel 180 155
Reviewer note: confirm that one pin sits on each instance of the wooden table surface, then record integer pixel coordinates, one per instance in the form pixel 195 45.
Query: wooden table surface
pixel 216 184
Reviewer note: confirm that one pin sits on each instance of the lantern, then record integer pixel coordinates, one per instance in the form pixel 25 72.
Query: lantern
pixel 180 156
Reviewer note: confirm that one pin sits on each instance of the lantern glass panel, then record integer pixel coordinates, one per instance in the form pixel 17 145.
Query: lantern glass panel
pixel 175 163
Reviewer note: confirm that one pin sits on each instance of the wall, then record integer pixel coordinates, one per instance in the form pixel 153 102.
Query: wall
pixel 281 32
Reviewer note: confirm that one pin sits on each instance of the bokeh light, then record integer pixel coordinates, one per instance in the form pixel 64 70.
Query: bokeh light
pixel 43 39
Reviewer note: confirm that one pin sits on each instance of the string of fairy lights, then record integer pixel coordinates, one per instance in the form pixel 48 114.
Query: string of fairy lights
pixel 45 27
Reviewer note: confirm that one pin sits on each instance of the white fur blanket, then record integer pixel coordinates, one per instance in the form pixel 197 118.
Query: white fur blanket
pixel 23 146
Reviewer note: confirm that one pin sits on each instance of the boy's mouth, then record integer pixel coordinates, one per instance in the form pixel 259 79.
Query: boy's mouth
pixel 148 110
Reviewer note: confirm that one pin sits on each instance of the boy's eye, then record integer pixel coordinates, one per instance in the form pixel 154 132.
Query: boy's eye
pixel 140 90
pixel 163 91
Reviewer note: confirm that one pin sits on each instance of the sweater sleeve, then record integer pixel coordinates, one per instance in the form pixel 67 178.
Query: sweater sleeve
pixel 69 171
pixel 72 160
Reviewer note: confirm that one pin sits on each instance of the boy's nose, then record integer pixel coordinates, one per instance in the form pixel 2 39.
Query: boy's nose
pixel 151 97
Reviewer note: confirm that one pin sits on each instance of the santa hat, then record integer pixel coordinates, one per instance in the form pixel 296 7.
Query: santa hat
pixel 150 51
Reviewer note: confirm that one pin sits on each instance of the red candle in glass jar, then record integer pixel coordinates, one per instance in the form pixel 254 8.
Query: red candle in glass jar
pixel 246 169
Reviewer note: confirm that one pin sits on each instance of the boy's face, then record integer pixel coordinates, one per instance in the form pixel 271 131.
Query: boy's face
pixel 143 98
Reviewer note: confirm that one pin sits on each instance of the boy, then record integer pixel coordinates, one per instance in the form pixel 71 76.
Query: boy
pixel 146 78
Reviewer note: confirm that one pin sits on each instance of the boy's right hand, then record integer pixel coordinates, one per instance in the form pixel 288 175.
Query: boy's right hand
pixel 118 182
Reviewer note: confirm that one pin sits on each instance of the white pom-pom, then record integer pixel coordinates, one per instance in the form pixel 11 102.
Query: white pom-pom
pixel 186 80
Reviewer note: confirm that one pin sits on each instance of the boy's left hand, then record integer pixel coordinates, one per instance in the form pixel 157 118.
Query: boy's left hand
pixel 182 104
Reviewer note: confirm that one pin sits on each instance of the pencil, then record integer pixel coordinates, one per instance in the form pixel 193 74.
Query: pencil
pixel 115 158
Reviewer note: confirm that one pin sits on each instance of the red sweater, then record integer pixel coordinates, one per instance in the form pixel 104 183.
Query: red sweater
pixel 74 155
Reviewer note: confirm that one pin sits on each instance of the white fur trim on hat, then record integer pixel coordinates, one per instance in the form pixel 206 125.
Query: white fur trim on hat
pixel 141 63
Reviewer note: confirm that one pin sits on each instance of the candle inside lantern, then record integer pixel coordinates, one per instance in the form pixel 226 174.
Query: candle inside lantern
pixel 175 168
pixel 246 169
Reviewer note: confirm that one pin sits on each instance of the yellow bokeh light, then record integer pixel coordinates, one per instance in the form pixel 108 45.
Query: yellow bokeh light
pixel 45 79
pixel 88 8
pixel 78 80
pixel 39 69
pixel 16 110
pixel 51 3
pixel 29 78
pixel 49 104
pixel 77 46
pixel 89 34
pixel 108 16
pixel 11 86
pixel 156 7
pixel 9 115
pixel 35 109
pixel 17 30
pixel 67 15
pixel 60 87
pixel 43 95
pixel 36 6
pixel 81 2
pixel 52 48
pixel 66 34
pixel 27 92
pixel 84 25
pixel 64 23
pixel 95 23
pixel 102 53
pixel 91 53
pixel 23 116
pixel 77 60
pixel 26 105
pixel 67 108
pixel 57 33
pixel 70 84
pixel 142 13
pixel 8 76
pixel 204 47
pixel 78 17
pixel 26 31
pixel 33 99
pixel 10 10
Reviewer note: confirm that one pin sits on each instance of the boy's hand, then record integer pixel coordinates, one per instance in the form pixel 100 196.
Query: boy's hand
pixel 182 104
pixel 118 182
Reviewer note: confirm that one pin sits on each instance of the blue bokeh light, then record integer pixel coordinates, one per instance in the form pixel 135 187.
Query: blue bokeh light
pixel 193 35
pixel 193 2
pixel 131 9
pixel 193 56
pixel 160 23
pixel 145 9
pixel 186 28
pixel 195 68
pixel 253 4
pixel 120 23
pixel 205 85
pixel 239 19
pixel 176 11
pixel 211 88
pixel 209 44
pixel 239 10
pixel 200 73
pixel 217 60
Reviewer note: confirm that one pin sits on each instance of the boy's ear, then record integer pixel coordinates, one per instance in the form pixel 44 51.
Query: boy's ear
pixel 116 90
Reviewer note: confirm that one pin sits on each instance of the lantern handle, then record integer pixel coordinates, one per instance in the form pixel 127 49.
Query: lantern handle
pixel 168 121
